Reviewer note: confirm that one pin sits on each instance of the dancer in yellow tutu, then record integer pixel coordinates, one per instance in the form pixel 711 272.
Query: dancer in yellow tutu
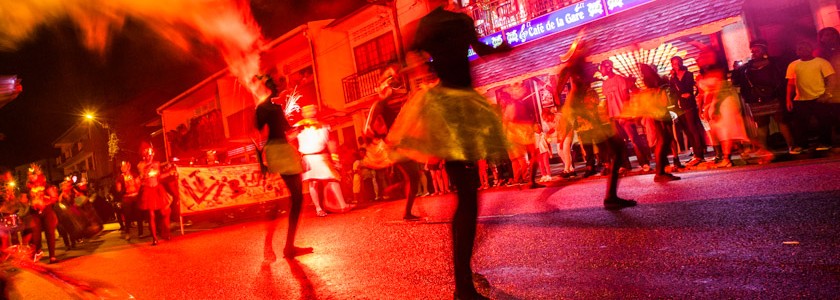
pixel 580 110
pixel 451 121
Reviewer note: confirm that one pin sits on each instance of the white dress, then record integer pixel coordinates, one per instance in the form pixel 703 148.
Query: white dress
pixel 313 141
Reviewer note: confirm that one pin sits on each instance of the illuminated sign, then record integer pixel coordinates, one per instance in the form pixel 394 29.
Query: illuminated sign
pixel 616 6
pixel 560 20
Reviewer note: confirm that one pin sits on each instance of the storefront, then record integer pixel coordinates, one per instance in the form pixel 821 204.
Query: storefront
pixel 648 32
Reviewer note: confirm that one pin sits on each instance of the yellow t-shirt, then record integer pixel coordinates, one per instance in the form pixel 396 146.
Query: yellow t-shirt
pixel 809 77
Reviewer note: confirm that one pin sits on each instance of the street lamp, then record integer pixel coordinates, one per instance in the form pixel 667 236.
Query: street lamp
pixel 113 141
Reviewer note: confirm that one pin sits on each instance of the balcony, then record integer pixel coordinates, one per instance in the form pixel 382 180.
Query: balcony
pixel 498 15
pixel 361 85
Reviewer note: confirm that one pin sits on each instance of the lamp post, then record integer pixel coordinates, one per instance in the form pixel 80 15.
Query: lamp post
pixel 113 141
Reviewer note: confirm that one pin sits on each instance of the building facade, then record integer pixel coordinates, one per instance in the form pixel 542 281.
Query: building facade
pixel 85 152
pixel 335 64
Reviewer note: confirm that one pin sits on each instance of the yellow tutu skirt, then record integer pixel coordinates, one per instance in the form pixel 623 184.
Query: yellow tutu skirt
pixel 448 124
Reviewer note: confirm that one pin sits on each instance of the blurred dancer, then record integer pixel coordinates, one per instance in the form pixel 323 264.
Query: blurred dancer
pixel 379 122
pixel 281 158
pixel 580 112
pixel 452 122
pixel 722 108
pixel 617 90
pixel 651 104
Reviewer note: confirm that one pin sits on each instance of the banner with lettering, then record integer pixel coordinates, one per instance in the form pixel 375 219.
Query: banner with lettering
pixel 213 187
pixel 557 21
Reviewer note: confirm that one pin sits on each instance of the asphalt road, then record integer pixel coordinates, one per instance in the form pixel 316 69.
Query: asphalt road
pixel 750 232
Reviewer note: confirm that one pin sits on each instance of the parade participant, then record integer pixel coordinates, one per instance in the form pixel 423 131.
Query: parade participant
pixel 722 108
pixel 9 208
pixel 67 223
pixel 127 188
pixel 152 195
pixel 651 104
pixel 319 155
pixel 379 122
pixel 617 90
pixel 44 221
pixel 42 216
pixel 282 159
pixel 519 122
pixel 452 122
pixel 578 110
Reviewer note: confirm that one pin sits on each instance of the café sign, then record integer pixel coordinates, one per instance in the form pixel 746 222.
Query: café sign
pixel 560 20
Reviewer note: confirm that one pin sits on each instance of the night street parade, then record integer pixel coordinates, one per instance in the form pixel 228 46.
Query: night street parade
pixel 420 149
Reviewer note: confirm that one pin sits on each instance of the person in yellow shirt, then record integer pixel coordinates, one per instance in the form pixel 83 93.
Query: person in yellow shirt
pixel 808 79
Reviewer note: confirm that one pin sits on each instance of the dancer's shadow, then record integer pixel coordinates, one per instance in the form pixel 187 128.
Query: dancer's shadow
pixel 307 290
pixel 269 285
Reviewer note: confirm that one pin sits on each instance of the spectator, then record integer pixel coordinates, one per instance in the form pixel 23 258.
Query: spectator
pixel 808 78
pixel 762 85
pixel 683 87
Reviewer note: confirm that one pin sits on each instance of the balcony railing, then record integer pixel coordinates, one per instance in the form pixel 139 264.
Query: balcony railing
pixel 498 15
pixel 361 85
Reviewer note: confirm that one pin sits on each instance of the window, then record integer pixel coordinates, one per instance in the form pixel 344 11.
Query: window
pixel 375 53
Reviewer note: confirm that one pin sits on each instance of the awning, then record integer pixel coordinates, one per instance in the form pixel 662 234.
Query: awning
pixel 652 21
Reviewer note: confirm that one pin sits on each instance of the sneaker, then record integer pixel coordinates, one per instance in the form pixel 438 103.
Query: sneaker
pixel 665 177
pixel 618 203
pixel 646 168
pixel 795 150
pixel 694 162
pixel 823 148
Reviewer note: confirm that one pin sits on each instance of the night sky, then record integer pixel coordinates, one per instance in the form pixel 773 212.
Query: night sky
pixel 139 72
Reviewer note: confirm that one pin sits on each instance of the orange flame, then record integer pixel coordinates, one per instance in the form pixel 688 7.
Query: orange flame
pixel 227 25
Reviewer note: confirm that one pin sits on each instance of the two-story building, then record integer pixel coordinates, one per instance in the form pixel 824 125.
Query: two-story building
pixel 84 151
pixel 332 64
